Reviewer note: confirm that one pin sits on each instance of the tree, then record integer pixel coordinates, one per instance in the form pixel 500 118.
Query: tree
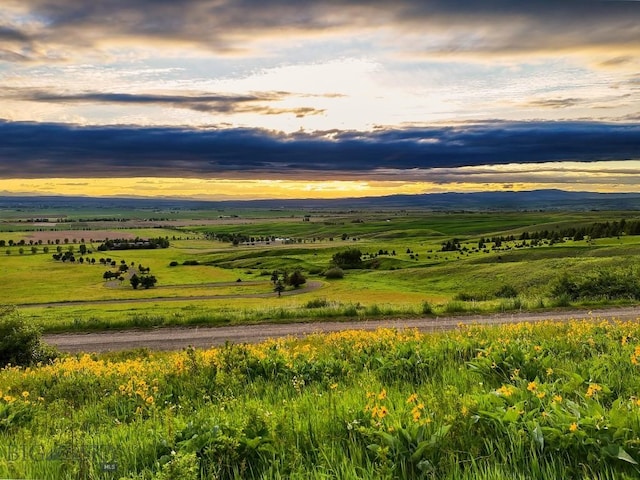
pixel 148 281
pixel 83 248
pixel 296 279
pixel 279 287
pixel 135 281
pixel 351 258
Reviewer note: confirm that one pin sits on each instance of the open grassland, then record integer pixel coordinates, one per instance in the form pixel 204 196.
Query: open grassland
pixel 404 270
pixel 528 401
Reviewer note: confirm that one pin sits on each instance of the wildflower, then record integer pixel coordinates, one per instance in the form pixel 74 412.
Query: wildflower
pixel 150 400
pixel 464 410
pixel 537 348
pixel 382 395
pixel 593 389
pixel 333 386
pixel 541 395
pixel 416 414
pixel 516 374
pixel 532 386
pixel 505 390
pixel 382 412
pixel 412 398
pixel 557 398
pixel 25 394
pixel 549 372
pixel 573 427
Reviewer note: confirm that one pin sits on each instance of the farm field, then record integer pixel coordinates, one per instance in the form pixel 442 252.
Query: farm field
pixel 219 272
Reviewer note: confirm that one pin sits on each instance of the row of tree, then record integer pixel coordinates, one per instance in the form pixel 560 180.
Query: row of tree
pixel 135 244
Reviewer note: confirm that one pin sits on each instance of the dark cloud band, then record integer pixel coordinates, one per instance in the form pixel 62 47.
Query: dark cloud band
pixel 37 150
pixel 226 26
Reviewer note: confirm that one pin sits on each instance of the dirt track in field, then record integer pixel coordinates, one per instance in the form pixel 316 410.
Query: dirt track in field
pixel 175 338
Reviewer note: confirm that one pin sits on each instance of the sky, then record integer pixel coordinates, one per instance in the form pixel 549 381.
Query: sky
pixel 247 99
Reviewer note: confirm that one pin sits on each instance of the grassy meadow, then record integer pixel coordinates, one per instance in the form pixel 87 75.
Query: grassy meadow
pixel 527 401
pixel 404 270
pixel 543 401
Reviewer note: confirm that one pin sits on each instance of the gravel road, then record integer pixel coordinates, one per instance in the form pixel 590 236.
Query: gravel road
pixel 175 338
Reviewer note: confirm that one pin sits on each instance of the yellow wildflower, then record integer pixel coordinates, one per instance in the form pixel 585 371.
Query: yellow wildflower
pixel 150 400
pixel 549 372
pixel 593 389
pixel 540 395
pixel 412 398
pixel 382 395
pixel 25 394
pixel 506 390
pixel 382 412
pixel 333 386
pixel 557 398
pixel 532 386
pixel 573 427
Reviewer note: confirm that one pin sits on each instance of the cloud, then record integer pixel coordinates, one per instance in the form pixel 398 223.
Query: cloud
pixel 217 103
pixel 240 27
pixel 555 102
pixel 37 150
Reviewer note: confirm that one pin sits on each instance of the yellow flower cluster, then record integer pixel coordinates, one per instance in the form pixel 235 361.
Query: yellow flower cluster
pixel 506 390
pixel 593 389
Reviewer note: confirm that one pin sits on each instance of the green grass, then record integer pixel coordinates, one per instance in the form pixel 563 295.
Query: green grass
pixel 452 282
pixel 541 401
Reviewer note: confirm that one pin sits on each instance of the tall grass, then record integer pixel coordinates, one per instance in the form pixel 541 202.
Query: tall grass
pixel 479 402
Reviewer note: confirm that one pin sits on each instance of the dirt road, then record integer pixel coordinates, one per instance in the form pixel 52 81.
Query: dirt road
pixel 175 338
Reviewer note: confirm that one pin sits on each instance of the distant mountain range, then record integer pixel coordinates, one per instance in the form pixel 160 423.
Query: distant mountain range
pixel 483 201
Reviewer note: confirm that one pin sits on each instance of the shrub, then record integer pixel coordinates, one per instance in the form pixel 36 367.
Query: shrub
pixel 351 258
pixel 427 308
pixel 173 264
pixel 506 291
pixel 296 279
pixel 20 342
pixel 334 273
pixel 607 284
pixel 317 303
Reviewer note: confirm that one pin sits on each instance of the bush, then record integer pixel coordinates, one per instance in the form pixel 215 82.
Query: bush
pixel 427 308
pixel 173 264
pixel 603 284
pixel 351 258
pixel 20 342
pixel 506 291
pixel 334 273
pixel 296 279
pixel 317 303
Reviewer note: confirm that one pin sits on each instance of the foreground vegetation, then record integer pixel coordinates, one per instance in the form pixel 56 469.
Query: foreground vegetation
pixel 534 401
